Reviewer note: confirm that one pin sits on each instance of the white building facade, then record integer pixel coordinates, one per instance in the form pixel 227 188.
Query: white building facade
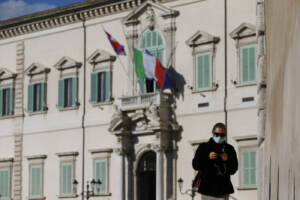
pixel 70 109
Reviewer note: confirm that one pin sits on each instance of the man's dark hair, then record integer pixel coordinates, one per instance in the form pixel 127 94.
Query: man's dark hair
pixel 219 125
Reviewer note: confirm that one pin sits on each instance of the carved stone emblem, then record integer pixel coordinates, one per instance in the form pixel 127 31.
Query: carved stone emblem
pixel 150 19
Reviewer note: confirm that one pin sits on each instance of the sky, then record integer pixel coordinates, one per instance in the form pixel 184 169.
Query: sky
pixel 15 8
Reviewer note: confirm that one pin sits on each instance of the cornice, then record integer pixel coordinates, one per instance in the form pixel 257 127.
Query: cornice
pixel 57 17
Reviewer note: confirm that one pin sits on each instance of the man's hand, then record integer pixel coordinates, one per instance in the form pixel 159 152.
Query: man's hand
pixel 213 155
pixel 224 156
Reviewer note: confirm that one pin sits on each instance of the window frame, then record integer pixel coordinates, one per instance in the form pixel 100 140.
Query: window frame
pixel 8 103
pixel 8 164
pixel 143 82
pixel 241 151
pixel 37 160
pixel 244 143
pixel 43 97
pixel 210 71
pixel 241 47
pixel 74 102
pixel 106 100
pixel 102 155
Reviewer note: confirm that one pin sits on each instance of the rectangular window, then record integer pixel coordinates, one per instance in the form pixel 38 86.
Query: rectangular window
pixel 4 183
pixel 36 97
pixel 101 173
pixel 67 96
pixel 203 71
pixel 36 181
pixel 248 64
pixel 6 101
pixel 249 168
pixel 100 86
pixel 66 178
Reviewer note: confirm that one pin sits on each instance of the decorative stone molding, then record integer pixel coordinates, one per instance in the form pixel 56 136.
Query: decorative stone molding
pixel 100 56
pixel 36 68
pixel 36 157
pixel 243 31
pixel 71 153
pixel 66 63
pixel 6 74
pixel 201 38
pixel 63 16
pixel 101 150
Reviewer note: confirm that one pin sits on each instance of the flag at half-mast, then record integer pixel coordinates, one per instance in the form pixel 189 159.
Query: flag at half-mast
pixel 119 49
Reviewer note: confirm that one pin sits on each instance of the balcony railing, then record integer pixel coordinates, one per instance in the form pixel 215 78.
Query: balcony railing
pixel 142 101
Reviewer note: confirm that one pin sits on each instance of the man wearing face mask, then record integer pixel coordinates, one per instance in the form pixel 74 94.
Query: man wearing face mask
pixel 216 160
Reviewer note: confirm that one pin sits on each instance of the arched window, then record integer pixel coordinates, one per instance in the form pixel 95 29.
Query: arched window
pixel 153 42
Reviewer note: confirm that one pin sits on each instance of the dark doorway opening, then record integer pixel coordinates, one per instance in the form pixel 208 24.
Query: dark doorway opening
pixel 146 176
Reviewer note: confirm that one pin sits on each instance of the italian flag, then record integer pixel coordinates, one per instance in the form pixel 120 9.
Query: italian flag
pixel 148 66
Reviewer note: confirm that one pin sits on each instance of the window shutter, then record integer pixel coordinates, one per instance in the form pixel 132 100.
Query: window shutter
pixel 252 65
pixel 154 38
pixel 94 87
pixel 74 91
pixel 206 71
pixel 246 165
pixel 148 39
pixel 5 183
pixel 142 85
pixel 107 85
pixel 30 98
pixel 1 102
pixel 101 86
pixel 244 64
pixel 61 93
pixel 199 72
pixel 43 95
pixel 11 100
pixel 66 178
pixel 101 173
pixel 36 181
pixel 253 167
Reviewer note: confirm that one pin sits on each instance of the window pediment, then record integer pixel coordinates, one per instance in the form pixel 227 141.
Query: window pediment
pixel 201 38
pixel 36 68
pixel 165 12
pixel 100 56
pixel 244 30
pixel 66 63
pixel 6 74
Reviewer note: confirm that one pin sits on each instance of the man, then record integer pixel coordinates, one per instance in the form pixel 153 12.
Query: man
pixel 216 160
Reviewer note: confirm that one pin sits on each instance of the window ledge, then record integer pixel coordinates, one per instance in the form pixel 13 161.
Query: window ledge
pixel 37 198
pixel 246 188
pixel 10 116
pixel 69 108
pixel 37 113
pixel 238 85
pixel 211 89
pixel 67 196
pixel 102 195
pixel 102 103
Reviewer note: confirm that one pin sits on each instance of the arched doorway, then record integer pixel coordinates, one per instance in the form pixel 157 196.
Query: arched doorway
pixel 146 176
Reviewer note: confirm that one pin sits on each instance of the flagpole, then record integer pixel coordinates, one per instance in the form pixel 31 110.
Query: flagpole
pixel 123 66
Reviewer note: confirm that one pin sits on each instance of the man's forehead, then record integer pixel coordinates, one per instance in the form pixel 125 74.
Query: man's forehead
pixel 219 129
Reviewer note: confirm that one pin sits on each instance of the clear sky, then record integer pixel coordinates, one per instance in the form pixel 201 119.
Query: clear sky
pixel 15 8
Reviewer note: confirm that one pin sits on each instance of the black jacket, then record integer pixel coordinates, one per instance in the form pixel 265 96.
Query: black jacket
pixel 216 173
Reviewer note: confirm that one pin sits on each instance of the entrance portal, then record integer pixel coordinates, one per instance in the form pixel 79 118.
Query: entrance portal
pixel 146 176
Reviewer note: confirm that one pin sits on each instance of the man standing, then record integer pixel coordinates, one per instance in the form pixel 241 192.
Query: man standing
pixel 216 160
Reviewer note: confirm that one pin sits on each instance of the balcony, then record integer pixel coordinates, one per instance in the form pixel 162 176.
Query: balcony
pixel 143 101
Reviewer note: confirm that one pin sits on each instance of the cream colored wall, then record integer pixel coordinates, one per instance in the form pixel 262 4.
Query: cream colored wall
pixel 60 131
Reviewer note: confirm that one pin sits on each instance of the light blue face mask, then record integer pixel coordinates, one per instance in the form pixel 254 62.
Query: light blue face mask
pixel 219 139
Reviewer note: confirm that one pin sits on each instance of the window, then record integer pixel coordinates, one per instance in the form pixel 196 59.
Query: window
pixel 249 168
pixel 248 64
pixel 203 71
pixel 101 86
pixel 36 181
pixel 153 42
pixel 67 96
pixel 101 174
pixel 5 183
pixel 36 97
pixel 6 101
pixel 66 178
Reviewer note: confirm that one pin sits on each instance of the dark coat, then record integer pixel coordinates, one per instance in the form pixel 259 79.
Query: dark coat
pixel 216 173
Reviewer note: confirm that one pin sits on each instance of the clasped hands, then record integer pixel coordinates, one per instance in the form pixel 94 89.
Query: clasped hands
pixel 214 155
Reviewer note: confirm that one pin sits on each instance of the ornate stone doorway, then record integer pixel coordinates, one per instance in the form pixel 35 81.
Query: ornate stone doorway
pixel 146 176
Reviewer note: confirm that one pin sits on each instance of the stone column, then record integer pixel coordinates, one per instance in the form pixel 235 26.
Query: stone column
pixel 120 152
pixel 159 172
